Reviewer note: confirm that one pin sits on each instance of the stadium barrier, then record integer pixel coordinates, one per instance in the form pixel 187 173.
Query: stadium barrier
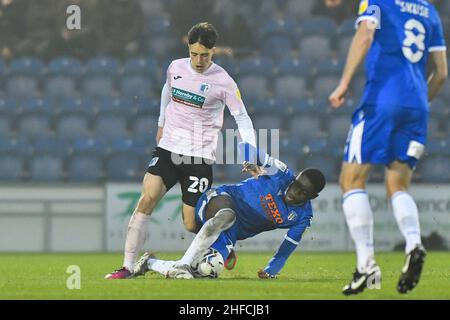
pixel 65 218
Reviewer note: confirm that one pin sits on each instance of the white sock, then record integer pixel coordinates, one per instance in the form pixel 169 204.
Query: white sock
pixel 209 233
pixel 407 216
pixel 136 235
pixel 161 266
pixel 359 218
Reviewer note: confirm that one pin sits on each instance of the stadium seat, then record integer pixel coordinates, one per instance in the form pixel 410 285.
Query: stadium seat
pixel 267 121
pixel 85 164
pixel 111 125
pixel 24 75
pixel 315 47
pixel 300 9
pixel 73 124
pixel 12 168
pixel 122 104
pixel 324 163
pixel 5 125
pixel 137 85
pixel 140 66
pixel 436 168
pixel 327 78
pixel 306 126
pixel 338 126
pixel 436 127
pixel 100 76
pixel 292 78
pixel 144 125
pixel 36 119
pixel 253 78
pixel 17 146
pixel 47 162
pixel 277 46
pixel 63 75
pixel 124 166
pixel 160 46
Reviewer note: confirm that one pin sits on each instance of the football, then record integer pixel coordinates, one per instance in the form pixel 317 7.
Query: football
pixel 211 265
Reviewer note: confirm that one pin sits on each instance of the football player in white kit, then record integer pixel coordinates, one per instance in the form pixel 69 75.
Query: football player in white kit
pixel 192 109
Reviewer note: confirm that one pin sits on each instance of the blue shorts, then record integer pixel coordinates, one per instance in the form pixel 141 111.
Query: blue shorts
pixel 383 134
pixel 227 239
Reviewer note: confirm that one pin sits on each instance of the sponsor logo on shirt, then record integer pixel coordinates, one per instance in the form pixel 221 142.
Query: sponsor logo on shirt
pixel 270 207
pixel 187 98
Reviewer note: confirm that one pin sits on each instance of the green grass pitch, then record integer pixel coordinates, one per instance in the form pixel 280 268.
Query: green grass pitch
pixel 305 276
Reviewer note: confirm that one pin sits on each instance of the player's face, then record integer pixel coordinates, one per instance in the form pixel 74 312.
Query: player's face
pixel 299 192
pixel 201 57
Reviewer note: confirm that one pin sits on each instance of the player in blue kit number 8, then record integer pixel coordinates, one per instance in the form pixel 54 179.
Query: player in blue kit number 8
pixel 273 198
pixel 390 126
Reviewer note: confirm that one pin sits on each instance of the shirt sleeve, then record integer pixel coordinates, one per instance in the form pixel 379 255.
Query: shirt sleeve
pixel 289 244
pixel 369 10
pixel 249 153
pixel 165 99
pixel 232 99
pixel 437 42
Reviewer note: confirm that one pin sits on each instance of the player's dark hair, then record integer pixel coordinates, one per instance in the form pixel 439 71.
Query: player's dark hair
pixel 316 178
pixel 204 33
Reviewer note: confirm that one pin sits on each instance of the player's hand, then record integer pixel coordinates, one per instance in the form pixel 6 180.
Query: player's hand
pixel 336 98
pixel 264 275
pixel 253 169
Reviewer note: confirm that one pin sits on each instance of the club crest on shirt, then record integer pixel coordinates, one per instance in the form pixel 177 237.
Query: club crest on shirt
pixel 204 87
pixel 292 215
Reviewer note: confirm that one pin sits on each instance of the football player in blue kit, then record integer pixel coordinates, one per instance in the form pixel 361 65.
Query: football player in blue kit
pixel 273 198
pixel 389 127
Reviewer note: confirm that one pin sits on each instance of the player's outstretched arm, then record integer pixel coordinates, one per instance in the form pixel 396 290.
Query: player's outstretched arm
pixel 439 73
pixel 289 244
pixel 257 162
pixel 361 43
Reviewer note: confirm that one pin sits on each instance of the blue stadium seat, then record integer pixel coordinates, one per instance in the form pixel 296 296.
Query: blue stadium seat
pixel 9 106
pixel 137 85
pixel 47 162
pixel 146 105
pixel 338 126
pixel 85 164
pixel 233 173
pixel 327 78
pixel 319 26
pixel 24 75
pixel 256 66
pixel 253 86
pixel 63 75
pixel 100 77
pixel 160 46
pixel 124 166
pixel 139 66
pixel 277 46
pixel 120 104
pixel 5 126
pixel 144 125
pixel 307 126
pixel 436 126
pixel 86 168
pixel 292 78
pixel 300 9
pixel 435 168
pixel 83 105
pixel 73 124
pixel 357 86
pixel 34 124
pixel 12 167
pixel 315 47
pixel 16 146
pixel 267 121
pixel 326 164
pixel 111 125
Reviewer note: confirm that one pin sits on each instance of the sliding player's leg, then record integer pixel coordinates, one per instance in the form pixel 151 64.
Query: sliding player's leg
pixel 218 216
